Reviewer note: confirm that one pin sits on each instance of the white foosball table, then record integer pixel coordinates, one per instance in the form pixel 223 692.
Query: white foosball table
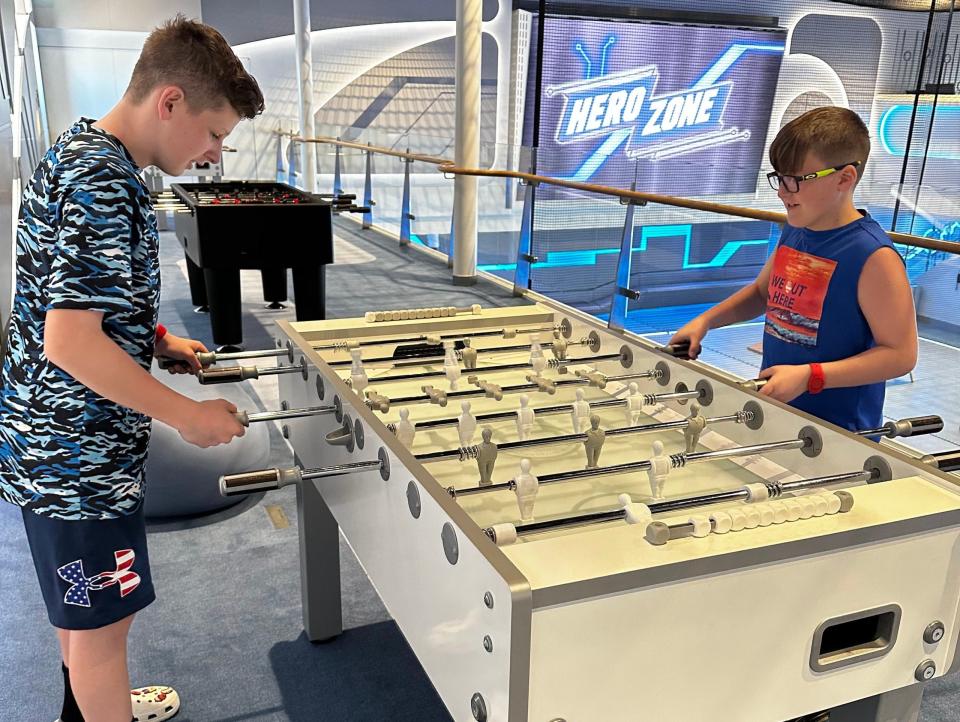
pixel 777 567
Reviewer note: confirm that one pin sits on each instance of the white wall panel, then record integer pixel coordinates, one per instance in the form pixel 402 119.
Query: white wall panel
pixel 142 15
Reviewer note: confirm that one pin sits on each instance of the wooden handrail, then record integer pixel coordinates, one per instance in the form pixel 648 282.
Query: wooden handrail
pixel 376 149
pixel 446 166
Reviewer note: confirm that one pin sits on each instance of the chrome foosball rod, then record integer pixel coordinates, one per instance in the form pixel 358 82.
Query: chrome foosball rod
pixel 246 418
pixel 399 362
pixel 808 440
pixel 232 374
pixel 749 493
pixel 432 339
pixel 251 482
pixel 534 383
pixel 509 415
pixel 210 358
pixel 464 453
pixel 561 366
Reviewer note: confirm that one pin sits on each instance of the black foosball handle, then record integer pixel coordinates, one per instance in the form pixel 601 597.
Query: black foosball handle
pixel 944 460
pixel 228 375
pixel 916 426
pixel 205 358
pixel 680 350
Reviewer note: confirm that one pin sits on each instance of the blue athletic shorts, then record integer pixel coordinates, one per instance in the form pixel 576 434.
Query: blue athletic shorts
pixel 92 573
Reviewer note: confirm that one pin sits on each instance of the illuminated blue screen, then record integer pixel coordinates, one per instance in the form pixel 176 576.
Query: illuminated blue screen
pixel 686 107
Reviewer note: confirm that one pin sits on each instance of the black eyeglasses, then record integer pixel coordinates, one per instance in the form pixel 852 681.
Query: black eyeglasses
pixel 791 183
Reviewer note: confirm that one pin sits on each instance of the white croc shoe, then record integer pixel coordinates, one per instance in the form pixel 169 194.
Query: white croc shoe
pixel 154 704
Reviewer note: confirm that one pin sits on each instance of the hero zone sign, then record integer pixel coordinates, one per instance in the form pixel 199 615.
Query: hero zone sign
pixel 661 126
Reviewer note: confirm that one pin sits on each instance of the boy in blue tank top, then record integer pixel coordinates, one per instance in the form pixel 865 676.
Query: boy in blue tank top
pixel 839 311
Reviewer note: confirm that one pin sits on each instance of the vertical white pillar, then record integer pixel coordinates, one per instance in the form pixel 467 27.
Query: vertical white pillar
pixel 301 34
pixel 467 152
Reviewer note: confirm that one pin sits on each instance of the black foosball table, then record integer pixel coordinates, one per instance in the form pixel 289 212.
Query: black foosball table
pixel 234 225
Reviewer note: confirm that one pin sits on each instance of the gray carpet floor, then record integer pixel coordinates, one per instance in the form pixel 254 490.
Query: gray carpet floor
pixel 226 628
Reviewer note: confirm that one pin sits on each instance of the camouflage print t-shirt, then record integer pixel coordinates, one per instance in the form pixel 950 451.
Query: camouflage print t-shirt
pixel 86 239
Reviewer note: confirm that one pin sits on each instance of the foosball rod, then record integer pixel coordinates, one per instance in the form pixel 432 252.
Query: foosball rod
pixel 743 493
pixel 551 363
pixel 943 460
pixel 506 333
pixel 268 479
pixel 209 358
pixel 677 461
pixel 232 374
pixel 465 453
pixel 401 362
pixel 649 399
pixel 506 415
pixel 509 415
pixel 246 418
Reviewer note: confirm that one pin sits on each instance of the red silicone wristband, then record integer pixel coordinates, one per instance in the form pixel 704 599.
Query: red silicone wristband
pixel 161 332
pixel 816 381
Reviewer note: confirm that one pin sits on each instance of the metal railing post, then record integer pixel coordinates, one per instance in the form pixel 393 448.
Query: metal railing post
pixel 453 216
pixel 521 277
pixel 337 185
pixel 281 166
pixel 405 215
pixel 368 190
pixel 293 157
pixel 622 293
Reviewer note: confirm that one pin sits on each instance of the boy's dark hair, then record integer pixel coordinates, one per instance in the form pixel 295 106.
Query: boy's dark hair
pixel 835 135
pixel 199 60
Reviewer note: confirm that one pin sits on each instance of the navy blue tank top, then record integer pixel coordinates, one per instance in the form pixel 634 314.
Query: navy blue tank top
pixel 813 315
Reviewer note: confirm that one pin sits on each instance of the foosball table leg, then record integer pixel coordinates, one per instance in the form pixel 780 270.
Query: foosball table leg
pixel 309 292
pixel 319 565
pixel 223 296
pixel 198 288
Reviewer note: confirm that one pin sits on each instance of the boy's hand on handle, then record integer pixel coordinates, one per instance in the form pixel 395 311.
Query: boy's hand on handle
pixel 692 333
pixel 213 422
pixel 785 383
pixel 183 350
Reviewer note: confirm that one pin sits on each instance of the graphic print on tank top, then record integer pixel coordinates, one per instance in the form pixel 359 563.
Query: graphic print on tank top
pixel 795 294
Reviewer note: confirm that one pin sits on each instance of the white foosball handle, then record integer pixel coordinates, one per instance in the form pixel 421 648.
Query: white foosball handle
pixel 504 534
pixel 757 492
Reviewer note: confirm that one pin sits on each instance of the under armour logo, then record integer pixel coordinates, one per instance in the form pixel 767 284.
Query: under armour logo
pixel 80 585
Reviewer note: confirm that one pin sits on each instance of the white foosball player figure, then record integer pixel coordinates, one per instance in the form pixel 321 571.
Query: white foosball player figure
pixel 525 418
pixel 594 443
pixel 695 426
pixel 538 361
pixel 559 347
pixel 406 429
pixel 466 424
pixel 581 412
pixel 526 489
pixel 358 376
pixel 486 456
pixel 634 404
pixel 451 367
pixel 659 468
pixel 469 355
